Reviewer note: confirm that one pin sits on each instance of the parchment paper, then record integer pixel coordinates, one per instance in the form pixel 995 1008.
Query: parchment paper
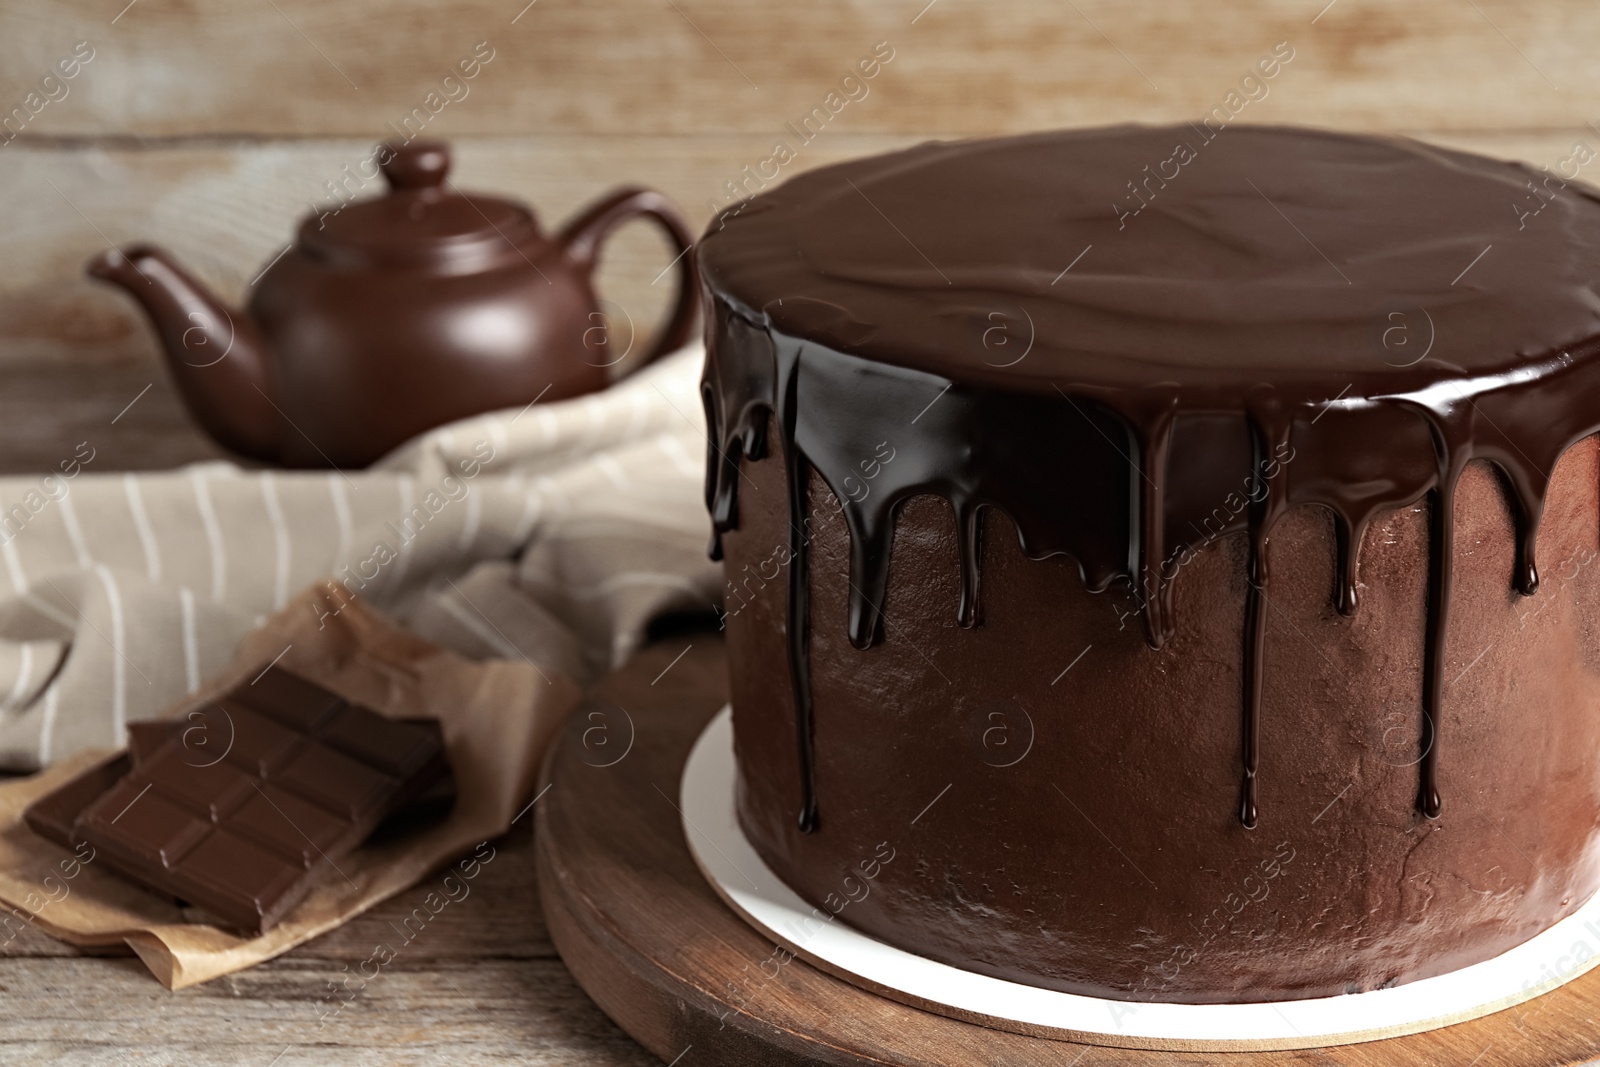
pixel 498 716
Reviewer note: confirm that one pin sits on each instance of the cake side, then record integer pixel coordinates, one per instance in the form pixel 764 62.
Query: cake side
pixel 1055 793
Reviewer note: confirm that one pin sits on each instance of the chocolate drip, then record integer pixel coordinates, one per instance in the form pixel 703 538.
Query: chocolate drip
pixel 869 570
pixel 798 473
pixel 720 498
pixel 1347 542
pixel 1270 438
pixel 968 545
pixel 1137 416
pixel 1154 431
pixel 1441 539
pixel 1452 424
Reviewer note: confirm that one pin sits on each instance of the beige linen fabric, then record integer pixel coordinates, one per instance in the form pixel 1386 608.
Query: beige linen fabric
pixel 550 534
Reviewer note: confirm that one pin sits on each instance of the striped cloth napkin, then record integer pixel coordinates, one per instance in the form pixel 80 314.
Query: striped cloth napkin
pixel 552 534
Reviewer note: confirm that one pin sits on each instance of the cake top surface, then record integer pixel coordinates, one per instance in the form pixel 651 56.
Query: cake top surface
pixel 1132 255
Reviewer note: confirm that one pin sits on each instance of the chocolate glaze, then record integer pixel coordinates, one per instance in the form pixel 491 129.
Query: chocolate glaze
pixel 1248 320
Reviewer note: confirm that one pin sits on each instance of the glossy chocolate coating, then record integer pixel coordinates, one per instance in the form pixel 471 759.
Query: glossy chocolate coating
pixel 1131 365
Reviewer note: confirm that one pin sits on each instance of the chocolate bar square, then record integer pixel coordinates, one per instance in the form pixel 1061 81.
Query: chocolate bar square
pixel 291 825
pixel 240 881
pixel 298 704
pixel 135 823
pixel 210 790
pixel 335 781
pixel 254 742
pixel 399 748
pixel 52 816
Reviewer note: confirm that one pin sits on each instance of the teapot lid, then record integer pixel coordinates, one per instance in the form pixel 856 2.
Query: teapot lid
pixel 424 218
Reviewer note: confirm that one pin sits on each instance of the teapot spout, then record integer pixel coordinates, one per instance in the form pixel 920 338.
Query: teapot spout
pixel 215 352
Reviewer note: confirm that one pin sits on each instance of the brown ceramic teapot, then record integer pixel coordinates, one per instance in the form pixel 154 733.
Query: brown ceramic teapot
pixel 396 314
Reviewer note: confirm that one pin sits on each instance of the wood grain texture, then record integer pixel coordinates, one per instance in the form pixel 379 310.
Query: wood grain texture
pixel 479 984
pixel 655 947
pixel 91 1012
pixel 227 209
pixel 168 68
pixel 128 411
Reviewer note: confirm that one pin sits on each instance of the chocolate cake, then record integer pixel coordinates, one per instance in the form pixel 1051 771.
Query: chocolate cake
pixel 1170 546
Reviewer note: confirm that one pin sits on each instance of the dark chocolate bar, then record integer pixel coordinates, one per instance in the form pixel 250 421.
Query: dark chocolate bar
pixel 428 805
pixel 239 806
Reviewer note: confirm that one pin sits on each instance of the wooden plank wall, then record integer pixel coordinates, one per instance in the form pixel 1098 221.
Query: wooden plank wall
pixel 212 125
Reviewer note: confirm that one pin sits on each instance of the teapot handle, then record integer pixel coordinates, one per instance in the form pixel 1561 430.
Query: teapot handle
pixel 582 237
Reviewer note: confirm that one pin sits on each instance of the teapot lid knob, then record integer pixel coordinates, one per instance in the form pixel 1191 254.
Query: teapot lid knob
pixel 416 164
pixel 421 220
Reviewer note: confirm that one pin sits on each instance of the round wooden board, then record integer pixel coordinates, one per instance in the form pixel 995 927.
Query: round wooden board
pixel 658 950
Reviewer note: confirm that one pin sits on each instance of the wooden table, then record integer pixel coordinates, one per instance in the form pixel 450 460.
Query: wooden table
pixel 482 985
